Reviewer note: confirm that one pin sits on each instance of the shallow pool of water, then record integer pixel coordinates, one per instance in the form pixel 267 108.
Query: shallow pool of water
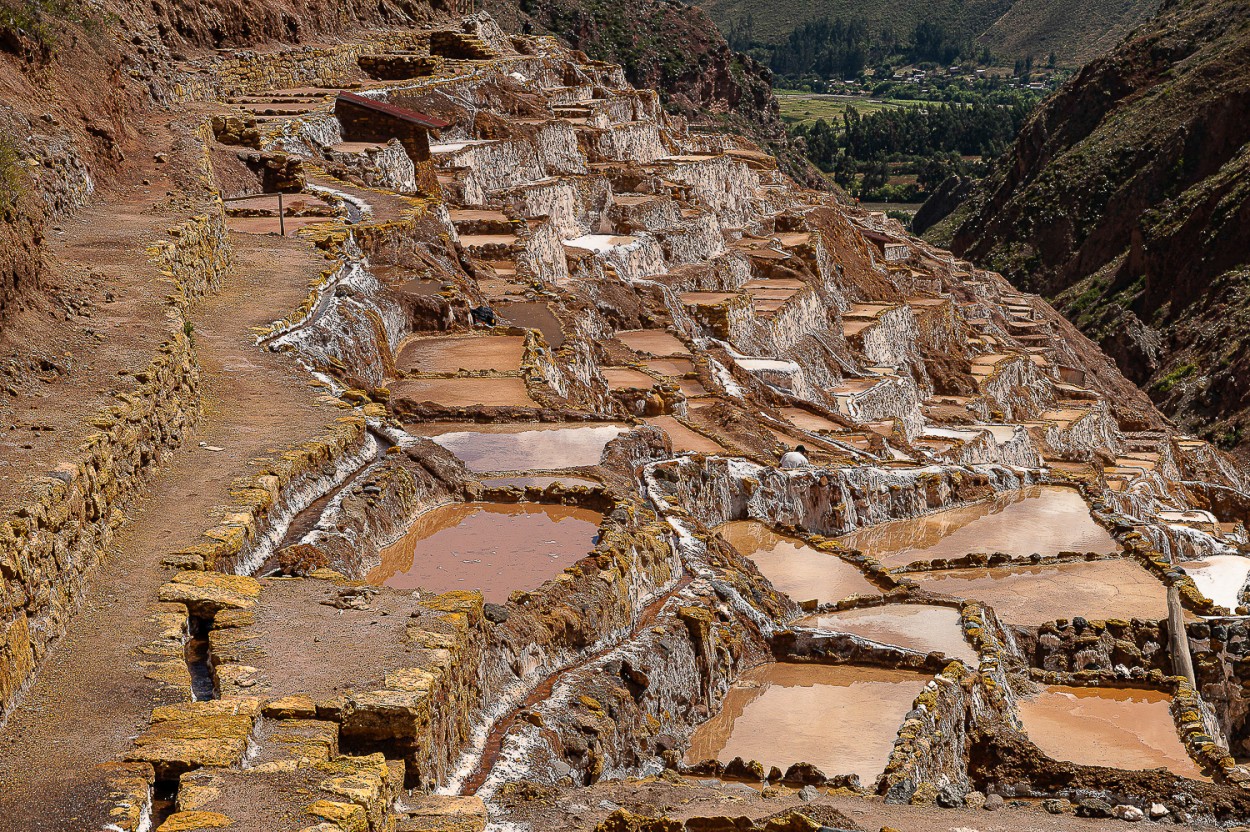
pixel 1033 595
pixel 922 627
pixel 1129 729
pixel 464 392
pixel 1220 577
pixel 684 439
pixel 653 341
pixel 492 547
pixel 522 447
pixel 534 315
pixel 626 378
pixel 793 567
pixel 841 719
pixel 453 353
pixel 538 482
pixel 1044 519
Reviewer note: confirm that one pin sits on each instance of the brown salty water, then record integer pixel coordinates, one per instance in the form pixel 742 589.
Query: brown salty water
pixel 793 567
pixel 922 627
pixel 1033 595
pixel 453 353
pixel 1129 729
pixel 1044 519
pixel 493 547
pixel 464 392
pixel 842 719
pixel 501 446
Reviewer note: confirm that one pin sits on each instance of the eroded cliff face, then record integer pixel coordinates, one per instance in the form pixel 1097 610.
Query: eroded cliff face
pixel 1124 200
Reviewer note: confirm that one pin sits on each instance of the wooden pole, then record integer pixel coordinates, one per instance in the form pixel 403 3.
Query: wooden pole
pixel 281 216
pixel 1178 638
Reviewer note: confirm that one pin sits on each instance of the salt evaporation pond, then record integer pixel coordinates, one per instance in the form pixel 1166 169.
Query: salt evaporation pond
pixel 923 627
pixel 1220 578
pixel 539 482
pixel 522 447
pixel 465 392
pixel 492 547
pixel 655 342
pixel 1045 519
pixel 453 353
pixel 842 719
pixel 684 439
pixel 1128 729
pixel 1033 595
pixel 793 567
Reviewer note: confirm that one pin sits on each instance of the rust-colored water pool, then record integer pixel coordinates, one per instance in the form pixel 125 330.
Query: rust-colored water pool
pixel 1043 518
pixel 493 547
pixel 453 353
pixel 464 392
pixel 1129 729
pixel 1033 595
pixel 842 719
pixel 653 342
pixel 685 439
pixel 793 567
pixel 503 446
pixel 923 627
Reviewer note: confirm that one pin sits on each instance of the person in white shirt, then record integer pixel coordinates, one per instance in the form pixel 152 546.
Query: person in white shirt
pixel 795 459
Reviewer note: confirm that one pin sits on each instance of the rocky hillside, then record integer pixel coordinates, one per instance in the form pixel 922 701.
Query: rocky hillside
pixel 1125 199
pixel 1075 31
pixel 1012 29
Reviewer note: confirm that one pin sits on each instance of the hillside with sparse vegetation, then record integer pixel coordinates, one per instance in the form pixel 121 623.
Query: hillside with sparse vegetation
pixel 1126 199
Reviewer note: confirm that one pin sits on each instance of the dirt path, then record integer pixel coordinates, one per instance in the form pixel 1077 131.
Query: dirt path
pixel 90 697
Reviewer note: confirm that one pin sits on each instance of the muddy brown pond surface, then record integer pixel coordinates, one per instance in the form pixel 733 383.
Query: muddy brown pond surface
pixel 921 627
pixel 493 547
pixel 1045 519
pixel 793 567
pixel 1034 595
pixel 1129 729
pixel 522 447
pixel 842 719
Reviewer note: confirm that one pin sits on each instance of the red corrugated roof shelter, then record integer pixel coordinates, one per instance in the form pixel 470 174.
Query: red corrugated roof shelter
pixel 365 119
pixel 391 110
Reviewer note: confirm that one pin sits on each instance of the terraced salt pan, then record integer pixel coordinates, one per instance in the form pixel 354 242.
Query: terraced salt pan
pixel 1034 595
pixel 921 627
pixel 655 342
pixel 625 378
pixel 1044 519
pixel 793 567
pixel 493 547
pixel 671 367
pixel 842 719
pixel 465 392
pixel 1128 729
pixel 1220 578
pixel 453 353
pixel 683 438
pixel 538 482
pixel 534 315
pixel 522 447
pixel 600 243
